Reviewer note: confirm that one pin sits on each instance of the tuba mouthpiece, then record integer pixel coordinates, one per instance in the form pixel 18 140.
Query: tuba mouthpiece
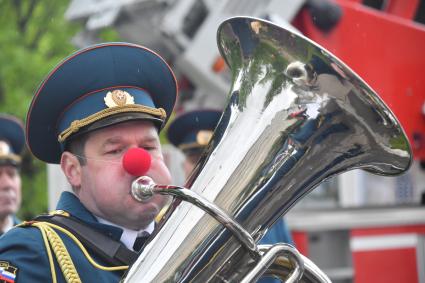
pixel 142 188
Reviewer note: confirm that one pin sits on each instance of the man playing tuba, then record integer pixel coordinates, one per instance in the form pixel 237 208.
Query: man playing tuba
pixel 93 107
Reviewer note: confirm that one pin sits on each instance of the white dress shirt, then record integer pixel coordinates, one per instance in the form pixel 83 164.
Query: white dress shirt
pixel 129 236
pixel 8 225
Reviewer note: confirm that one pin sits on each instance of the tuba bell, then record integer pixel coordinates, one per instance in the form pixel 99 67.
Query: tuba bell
pixel 296 116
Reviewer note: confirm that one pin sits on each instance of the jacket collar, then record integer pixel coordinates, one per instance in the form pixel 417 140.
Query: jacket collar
pixel 16 220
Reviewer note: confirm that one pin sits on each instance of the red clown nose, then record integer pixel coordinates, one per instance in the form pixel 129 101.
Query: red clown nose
pixel 136 161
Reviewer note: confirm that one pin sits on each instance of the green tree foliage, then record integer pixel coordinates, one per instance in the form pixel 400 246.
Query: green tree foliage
pixel 34 37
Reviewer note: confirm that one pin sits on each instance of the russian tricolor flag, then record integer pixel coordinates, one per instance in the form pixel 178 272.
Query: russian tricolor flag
pixel 7 276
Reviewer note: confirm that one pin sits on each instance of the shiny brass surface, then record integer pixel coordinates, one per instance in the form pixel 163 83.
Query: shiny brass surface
pixel 296 116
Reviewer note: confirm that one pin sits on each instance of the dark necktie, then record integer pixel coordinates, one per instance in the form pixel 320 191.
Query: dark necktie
pixel 140 241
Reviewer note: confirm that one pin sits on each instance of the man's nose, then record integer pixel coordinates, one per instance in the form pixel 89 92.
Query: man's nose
pixel 136 161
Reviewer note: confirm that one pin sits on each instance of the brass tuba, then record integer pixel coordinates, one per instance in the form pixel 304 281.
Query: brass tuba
pixel 296 116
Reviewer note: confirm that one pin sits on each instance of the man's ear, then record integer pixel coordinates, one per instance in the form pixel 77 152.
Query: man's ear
pixel 71 167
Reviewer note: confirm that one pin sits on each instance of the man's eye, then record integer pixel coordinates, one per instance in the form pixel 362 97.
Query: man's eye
pixel 115 151
pixel 149 148
pixel 12 173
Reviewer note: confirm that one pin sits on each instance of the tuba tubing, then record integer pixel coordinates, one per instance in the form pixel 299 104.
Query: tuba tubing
pixel 296 116
pixel 144 188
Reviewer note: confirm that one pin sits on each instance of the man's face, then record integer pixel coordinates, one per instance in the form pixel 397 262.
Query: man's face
pixel 10 190
pixel 104 188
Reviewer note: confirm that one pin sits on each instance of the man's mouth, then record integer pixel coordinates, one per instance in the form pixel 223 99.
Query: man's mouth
pixel 7 201
pixel 7 197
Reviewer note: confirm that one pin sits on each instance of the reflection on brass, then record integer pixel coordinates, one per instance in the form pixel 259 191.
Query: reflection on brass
pixel 296 116
pixel 255 26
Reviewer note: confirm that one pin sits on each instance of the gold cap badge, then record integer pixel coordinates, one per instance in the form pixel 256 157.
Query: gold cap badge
pixel 6 153
pixel 118 98
pixel 4 148
pixel 203 137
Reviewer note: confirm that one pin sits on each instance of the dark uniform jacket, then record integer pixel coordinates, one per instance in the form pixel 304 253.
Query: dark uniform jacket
pixel 278 233
pixel 23 252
